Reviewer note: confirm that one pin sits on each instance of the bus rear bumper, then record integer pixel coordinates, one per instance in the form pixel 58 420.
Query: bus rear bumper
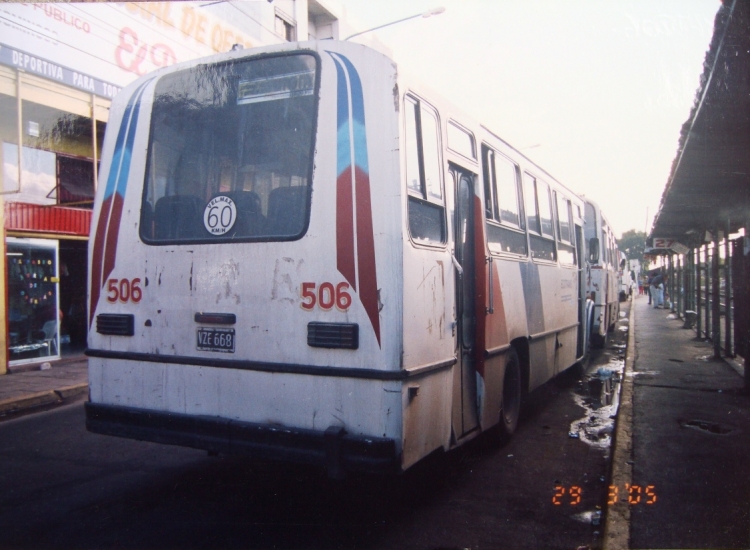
pixel 333 448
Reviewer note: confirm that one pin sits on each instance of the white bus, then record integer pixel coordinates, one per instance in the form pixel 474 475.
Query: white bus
pixel 299 255
pixel 603 273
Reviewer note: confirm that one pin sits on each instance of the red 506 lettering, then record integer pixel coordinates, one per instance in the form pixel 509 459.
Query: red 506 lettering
pixel 124 290
pixel 325 296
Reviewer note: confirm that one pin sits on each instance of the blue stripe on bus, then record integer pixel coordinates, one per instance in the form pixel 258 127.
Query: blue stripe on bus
pixel 358 114
pixel 123 135
pixel 343 154
pixel 127 153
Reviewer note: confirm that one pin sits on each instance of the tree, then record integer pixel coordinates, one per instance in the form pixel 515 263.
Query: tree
pixel 633 243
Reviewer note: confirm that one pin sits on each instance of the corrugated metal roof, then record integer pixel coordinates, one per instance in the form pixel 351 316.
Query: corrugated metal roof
pixel 709 185
pixel 47 219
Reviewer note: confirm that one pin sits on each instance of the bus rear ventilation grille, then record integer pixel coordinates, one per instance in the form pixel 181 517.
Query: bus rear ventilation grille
pixel 333 335
pixel 115 324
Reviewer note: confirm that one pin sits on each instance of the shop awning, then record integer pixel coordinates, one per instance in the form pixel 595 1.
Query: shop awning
pixel 60 220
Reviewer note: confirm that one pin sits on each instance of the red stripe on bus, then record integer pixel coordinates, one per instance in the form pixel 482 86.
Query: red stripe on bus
pixel 345 227
pixel 368 283
pixel 96 260
pixel 113 232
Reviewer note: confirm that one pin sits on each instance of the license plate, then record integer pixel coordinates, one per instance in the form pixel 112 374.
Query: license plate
pixel 216 339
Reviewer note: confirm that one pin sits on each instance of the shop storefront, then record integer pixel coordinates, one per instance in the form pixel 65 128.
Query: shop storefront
pixel 60 67
pixel 48 186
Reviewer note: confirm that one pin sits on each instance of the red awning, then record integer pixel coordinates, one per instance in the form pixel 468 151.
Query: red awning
pixel 61 220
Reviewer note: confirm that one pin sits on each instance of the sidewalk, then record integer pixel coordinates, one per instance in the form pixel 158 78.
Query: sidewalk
pixel 66 379
pixel 687 441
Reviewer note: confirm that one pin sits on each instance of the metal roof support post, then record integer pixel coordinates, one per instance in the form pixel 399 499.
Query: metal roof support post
pixel 707 290
pixel 728 295
pixel 694 280
pixel 689 288
pixel 715 303
pixel 680 288
pixel 670 283
pixel 698 297
pixel 742 282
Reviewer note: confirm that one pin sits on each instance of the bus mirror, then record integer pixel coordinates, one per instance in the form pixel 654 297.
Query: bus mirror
pixel 622 263
pixel 593 250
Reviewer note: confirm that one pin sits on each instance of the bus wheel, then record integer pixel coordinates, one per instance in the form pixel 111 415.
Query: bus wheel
pixel 511 407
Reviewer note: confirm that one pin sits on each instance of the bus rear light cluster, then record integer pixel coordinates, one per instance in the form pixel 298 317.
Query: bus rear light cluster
pixel 115 324
pixel 215 318
pixel 333 335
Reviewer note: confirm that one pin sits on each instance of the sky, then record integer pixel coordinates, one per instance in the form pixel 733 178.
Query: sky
pixel 593 91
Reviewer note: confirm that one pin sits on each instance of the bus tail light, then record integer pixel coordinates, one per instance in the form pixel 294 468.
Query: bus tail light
pixel 333 335
pixel 115 324
pixel 215 318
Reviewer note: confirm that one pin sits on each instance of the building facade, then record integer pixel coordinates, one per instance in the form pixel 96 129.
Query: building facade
pixel 60 67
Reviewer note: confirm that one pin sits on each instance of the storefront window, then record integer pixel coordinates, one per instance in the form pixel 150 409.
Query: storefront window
pixel 58 149
pixel 8 129
pixel 33 303
pixel 57 130
pixel 39 175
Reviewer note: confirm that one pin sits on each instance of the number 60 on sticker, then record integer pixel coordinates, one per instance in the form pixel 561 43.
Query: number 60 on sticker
pixel 325 296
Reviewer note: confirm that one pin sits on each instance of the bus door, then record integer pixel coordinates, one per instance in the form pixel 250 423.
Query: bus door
pixel 464 267
pixel 582 326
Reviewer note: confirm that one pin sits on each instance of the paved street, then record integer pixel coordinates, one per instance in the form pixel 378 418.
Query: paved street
pixel 67 488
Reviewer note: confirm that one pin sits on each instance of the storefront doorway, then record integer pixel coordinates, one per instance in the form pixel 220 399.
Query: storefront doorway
pixel 33 300
pixel 73 277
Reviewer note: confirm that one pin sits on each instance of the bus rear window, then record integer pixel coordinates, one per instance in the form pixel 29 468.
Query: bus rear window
pixel 230 152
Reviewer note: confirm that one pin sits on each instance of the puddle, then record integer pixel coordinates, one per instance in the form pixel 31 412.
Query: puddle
pixel 599 396
pixel 707 427
pixel 643 373
pixel 592 517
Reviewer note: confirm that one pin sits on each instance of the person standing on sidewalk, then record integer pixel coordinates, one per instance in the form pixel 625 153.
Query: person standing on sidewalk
pixel 657 283
pixel 650 288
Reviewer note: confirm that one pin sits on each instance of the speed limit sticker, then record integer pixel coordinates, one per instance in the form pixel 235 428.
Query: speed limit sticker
pixel 219 215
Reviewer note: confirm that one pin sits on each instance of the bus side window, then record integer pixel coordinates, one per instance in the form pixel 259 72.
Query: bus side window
pixel 545 209
pixel 539 216
pixel 505 227
pixel 424 180
pixel 532 213
pixel 565 247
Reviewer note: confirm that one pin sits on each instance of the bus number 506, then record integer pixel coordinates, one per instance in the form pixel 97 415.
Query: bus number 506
pixel 325 296
pixel 124 290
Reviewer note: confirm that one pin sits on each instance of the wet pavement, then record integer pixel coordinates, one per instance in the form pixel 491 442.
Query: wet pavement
pixel 670 421
pixel 689 486
pixel 546 488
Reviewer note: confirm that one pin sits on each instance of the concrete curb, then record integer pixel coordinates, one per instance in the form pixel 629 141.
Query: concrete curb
pixel 29 401
pixel 72 391
pixel 42 398
pixel 617 527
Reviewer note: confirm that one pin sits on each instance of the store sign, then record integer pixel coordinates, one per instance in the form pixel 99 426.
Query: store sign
pixel 663 243
pixel 92 45
pixel 36 65
pixel 670 244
